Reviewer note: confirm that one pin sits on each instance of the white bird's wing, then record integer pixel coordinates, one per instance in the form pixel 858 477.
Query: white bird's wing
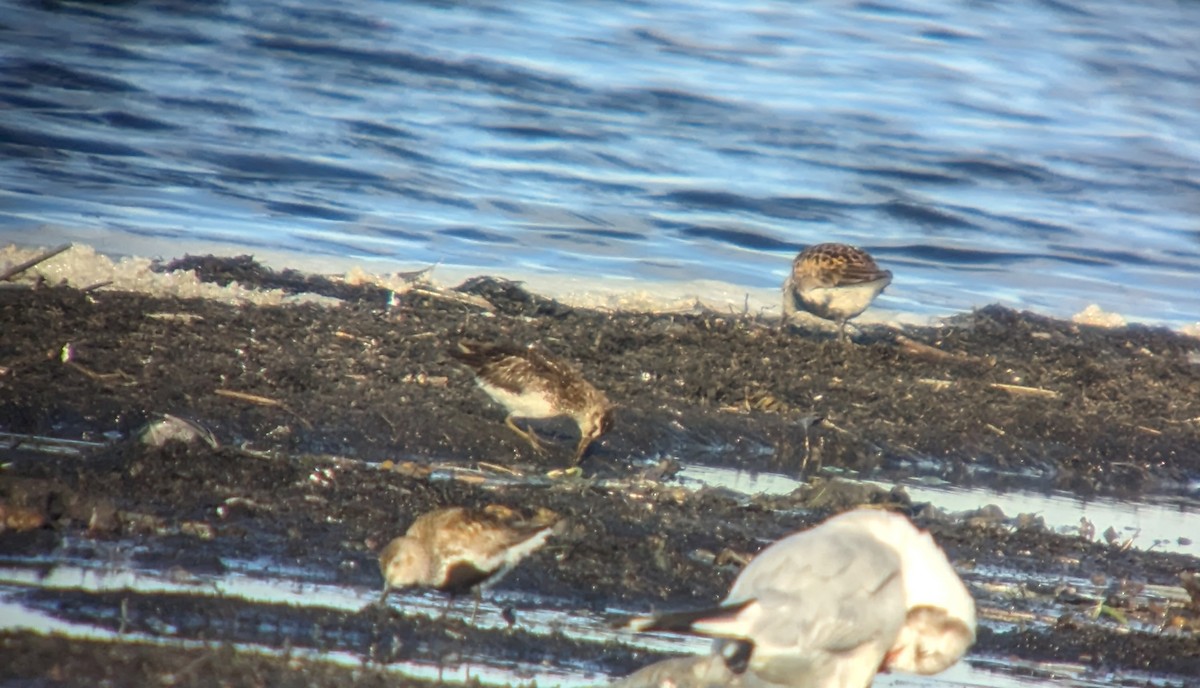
pixel 940 623
pixel 831 606
pixel 827 602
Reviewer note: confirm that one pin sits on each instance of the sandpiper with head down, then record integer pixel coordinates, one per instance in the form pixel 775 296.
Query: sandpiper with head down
pixel 833 281
pixel 456 549
pixel 530 383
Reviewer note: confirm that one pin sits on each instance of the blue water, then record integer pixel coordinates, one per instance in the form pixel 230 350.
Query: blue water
pixel 1045 154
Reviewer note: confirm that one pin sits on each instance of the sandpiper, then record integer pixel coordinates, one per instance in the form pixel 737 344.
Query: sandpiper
pixel 529 383
pixel 456 549
pixel 833 281
pixel 863 592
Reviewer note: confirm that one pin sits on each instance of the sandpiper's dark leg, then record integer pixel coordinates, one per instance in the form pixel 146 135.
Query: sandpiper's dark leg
pixel 446 607
pixel 581 449
pixel 841 323
pixel 386 589
pixel 475 610
pixel 527 434
pixel 790 305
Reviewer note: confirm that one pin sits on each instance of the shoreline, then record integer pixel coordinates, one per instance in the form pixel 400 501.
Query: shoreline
pixel 83 265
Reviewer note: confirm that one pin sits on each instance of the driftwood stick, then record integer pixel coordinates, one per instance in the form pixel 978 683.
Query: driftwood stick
pixel 914 348
pixel 98 285
pixel 261 401
pixel 246 396
pixel 1028 391
pixel 22 267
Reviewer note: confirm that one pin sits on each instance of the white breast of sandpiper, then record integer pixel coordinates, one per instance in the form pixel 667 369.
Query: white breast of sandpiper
pixel 845 301
pixel 529 404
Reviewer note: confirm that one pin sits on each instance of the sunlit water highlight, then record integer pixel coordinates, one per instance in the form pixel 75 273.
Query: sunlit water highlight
pixel 1163 527
pixel 982 672
pixel 1040 154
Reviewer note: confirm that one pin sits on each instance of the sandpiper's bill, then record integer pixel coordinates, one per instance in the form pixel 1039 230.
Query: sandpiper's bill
pixel 456 549
pixel 530 383
pixel 833 281
pixel 863 592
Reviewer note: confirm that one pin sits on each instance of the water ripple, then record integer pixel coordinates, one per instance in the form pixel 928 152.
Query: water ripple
pixel 629 140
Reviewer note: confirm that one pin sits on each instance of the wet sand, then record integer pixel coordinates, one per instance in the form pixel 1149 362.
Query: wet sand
pixel 337 425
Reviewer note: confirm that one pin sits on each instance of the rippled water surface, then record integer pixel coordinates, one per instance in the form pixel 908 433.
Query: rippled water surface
pixel 1041 154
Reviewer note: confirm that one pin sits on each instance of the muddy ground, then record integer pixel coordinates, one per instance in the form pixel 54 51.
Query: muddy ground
pixel 329 420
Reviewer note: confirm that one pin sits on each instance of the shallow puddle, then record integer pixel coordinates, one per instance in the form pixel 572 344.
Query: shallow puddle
pixel 251 584
pixel 1168 527
pixel 1006 598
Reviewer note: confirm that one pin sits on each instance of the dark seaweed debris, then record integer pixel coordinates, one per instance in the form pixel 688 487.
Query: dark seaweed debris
pixel 292 392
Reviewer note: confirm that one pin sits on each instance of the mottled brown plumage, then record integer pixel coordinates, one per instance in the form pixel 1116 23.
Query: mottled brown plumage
pixel 833 281
pixel 456 549
pixel 530 383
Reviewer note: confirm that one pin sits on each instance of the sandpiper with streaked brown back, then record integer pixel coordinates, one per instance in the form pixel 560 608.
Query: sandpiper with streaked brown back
pixel 532 384
pixel 456 549
pixel 833 281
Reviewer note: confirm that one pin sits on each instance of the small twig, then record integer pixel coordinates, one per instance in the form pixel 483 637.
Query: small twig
pixel 124 616
pixel 102 377
pixel 850 433
pixel 498 468
pixel 261 401
pixel 1129 542
pixel 184 317
pixel 22 267
pixel 1011 615
pixel 830 424
pixel 387 420
pixel 453 468
pixel 1184 421
pixel 191 666
pixel 915 348
pixel 1021 389
pixel 457 297
pixel 252 398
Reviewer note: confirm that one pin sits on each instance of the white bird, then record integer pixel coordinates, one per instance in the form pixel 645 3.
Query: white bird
pixel 829 607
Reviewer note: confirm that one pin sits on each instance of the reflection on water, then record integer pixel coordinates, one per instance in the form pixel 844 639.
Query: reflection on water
pixel 14 614
pixel 1162 527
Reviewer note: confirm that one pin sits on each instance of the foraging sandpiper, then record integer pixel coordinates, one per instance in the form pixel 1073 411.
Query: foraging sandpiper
pixel 456 549
pixel 531 384
pixel 833 281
